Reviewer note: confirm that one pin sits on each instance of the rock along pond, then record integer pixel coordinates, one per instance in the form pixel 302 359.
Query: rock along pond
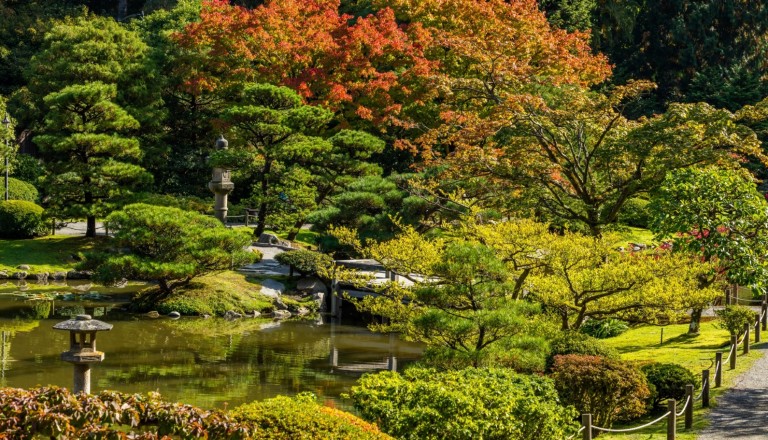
pixel 211 363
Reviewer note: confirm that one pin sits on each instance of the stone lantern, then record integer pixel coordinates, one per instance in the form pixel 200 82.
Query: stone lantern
pixel 82 348
pixel 221 185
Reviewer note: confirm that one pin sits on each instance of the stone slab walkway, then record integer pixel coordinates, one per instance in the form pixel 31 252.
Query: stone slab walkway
pixel 742 412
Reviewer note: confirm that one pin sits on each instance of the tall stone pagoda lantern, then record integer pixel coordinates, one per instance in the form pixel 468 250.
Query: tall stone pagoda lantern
pixel 82 348
pixel 221 185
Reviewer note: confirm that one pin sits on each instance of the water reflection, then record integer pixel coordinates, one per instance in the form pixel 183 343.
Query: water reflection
pixel 205 362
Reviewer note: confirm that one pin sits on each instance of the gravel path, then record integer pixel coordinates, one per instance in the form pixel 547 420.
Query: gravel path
pixel 742 412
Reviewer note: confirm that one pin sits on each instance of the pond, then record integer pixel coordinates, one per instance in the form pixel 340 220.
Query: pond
pixel 205 362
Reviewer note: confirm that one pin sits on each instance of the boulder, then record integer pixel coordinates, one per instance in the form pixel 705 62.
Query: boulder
pixel 256 313
pixel 279 304
pixel 41 277
pixel 79 275
pixel 19 275
pixel 272 288
pixel 206 316
pixel 24 267
pixel 301 311
pixel 153 314
pixel 59 276
pixel 3 275
pixel 174 315
pixel 310 285
pixel 272 240
pixel 231 314
pixel 281 314
pixel 319 298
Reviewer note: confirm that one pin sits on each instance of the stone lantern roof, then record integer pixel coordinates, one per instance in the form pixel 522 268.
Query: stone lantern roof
pixel 83 323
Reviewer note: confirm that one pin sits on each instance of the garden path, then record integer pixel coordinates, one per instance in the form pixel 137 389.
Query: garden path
pixel 742 411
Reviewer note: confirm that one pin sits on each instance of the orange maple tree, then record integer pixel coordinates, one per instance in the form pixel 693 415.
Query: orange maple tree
pixel 366 68
pixel 494 56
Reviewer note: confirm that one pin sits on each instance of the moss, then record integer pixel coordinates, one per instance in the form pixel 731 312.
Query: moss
pixel 209 295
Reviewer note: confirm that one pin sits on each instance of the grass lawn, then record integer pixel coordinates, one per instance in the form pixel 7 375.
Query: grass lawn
pixel 212 295
pixel 45 254
pixel 634 235
pixel 694 352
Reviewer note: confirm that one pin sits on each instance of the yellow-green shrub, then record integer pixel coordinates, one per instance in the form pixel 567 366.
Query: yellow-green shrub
pixel 300 417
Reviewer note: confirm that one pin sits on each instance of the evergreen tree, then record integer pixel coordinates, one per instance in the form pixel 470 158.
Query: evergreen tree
pixel 90 162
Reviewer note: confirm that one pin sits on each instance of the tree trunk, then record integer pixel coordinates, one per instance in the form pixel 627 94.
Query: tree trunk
pixel 90 230
pixel 295 230
pixel 122 9
pixel 261 216
pixel 565 324
pixel 261 220
pixel 693 327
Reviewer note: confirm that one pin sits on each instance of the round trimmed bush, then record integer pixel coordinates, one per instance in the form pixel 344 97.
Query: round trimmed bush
pixel 606 388
pixel 21 219
pixel 668 381
pixel 21 190
pixel 578 343
pixel 286 418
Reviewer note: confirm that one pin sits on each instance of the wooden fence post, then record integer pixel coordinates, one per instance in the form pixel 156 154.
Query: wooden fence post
pixel 671 419
pixel 734 340
pixel 705 388
pixel 728 296
pixel 586 422
pixel 718 368
pixel 757 328
pixel 689 407
pixel 746 338
pixel 763 308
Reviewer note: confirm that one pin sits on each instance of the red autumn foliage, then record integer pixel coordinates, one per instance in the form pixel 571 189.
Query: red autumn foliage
pixel 366 68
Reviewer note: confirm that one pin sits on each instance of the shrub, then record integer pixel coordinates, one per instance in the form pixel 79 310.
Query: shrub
pixel 667 381
pixel 604 328
pixel 21 190
pixel 21 219
pixel 733 318
pixel 606 388
pixel 463 404
pixel 635 213
pixel 306 262
pixel 578 343
pixel 169 246
pixel 287 418
pixel 53 412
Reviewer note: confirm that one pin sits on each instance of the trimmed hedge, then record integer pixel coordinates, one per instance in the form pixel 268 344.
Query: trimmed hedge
pixel 300 417
pixel 473 403
pixel 306 262
pixel 21 190
pixel 21 219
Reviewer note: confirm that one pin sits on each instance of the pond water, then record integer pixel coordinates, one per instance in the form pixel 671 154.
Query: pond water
pixel 205 362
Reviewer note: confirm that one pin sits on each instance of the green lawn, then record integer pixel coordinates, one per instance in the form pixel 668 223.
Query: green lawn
pixel 46 254
pixel 634 235
pixel 694 352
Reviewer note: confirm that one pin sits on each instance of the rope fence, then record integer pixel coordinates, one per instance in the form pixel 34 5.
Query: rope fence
pixel 587 429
